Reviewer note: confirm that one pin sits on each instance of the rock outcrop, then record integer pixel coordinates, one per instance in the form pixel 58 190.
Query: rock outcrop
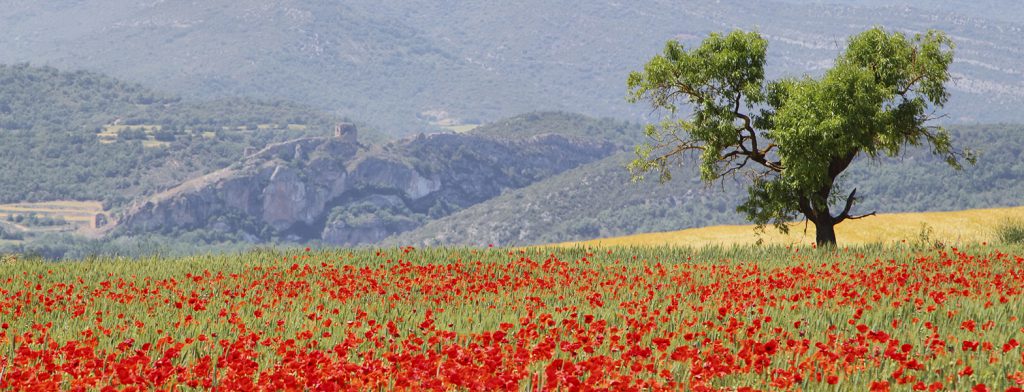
pixel 333 189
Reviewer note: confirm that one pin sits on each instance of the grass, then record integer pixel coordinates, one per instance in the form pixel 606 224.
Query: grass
pixel 72 205
pixel 66 208
pixel 154 144
pixel 79 214
pixel 461 128
pixel 952 227
pixel 1011 231
pixel 638 293
pixel 110 132
pixel 265 127
pixel 113 130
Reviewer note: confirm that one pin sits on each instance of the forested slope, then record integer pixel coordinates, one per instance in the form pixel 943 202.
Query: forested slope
pixel 598 200
pixel 85 136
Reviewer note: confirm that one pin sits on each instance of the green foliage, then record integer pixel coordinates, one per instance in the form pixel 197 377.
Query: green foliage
pixel 386 213
pixel 36 220
pixel 793 137
pixel 44 98
pixel 563 123
pixel 67 246
pixel 11 235
pixel 597 200
pixel 1010 231
pixel 51 151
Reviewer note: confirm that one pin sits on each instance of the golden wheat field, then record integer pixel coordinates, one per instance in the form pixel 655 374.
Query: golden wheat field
pixel 952 226
pixel 77 216
pixel 69 210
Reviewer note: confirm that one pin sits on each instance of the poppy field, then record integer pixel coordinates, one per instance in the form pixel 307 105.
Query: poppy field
pixel 749 318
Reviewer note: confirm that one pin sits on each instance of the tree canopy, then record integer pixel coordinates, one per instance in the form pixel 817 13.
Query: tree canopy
pixel 793 137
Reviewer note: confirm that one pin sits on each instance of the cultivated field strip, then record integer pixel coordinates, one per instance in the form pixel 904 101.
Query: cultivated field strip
pixel 638 318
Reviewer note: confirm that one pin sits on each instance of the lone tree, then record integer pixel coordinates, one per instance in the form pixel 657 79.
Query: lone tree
pixel 793 137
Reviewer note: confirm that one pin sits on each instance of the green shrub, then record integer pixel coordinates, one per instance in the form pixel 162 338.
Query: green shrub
pixel 1011 231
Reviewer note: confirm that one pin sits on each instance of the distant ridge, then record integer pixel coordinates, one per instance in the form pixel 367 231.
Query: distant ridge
pixel 410 66
pixel 598 199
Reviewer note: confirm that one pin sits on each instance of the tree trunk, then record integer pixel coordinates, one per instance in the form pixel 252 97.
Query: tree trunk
pixel 825 232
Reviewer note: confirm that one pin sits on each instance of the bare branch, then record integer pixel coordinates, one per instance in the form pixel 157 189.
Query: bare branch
pixel 872 213
pixel 673 147
pixel 734 169
pixel 850 200
pixel 849 204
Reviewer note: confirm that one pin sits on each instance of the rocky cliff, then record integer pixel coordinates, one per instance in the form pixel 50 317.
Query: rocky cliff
pixel 346 194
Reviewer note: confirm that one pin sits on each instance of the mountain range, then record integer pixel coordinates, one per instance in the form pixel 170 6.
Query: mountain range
pixel 343 193
pixel 599 200
pixel 414 65
pixel 419 122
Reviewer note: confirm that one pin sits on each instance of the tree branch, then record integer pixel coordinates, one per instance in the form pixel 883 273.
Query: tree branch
pixel 731 155
pixel 837 166
pixel 849 204
pixel 852 217
pixel 846 209
pixel 746 124
pixel 804 206
pixel 736 168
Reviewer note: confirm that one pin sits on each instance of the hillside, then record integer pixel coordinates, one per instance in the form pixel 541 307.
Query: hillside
pixel 339 192
pixel 410 65
pixel 86 136
pixel 977 9
pixel 619 133
pixel 921 228
pixel 316 190
pixel 592 200
pixel 598 200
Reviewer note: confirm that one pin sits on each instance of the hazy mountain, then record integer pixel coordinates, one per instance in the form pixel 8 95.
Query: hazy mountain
pixel 986 9
pixel 598 200
pixel 86 136
pixel 404 64
pixel 336 190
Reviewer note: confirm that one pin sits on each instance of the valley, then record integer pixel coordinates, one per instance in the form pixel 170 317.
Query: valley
pixel 655 195
pixel 140 173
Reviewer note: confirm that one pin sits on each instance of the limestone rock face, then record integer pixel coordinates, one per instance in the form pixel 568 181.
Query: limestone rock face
pixel 338 191
pixel 269 188
pixel 284 199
